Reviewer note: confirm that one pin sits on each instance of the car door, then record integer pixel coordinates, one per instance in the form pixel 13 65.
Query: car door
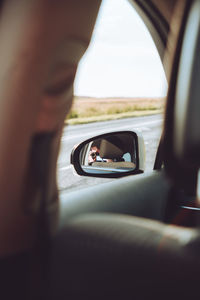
pixel 157 21
pixel 119 255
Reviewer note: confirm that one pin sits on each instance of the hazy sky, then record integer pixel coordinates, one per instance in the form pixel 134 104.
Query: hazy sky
pixel 122 59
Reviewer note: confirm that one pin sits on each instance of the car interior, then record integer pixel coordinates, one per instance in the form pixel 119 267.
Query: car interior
pixel 113 149
pixel 136 237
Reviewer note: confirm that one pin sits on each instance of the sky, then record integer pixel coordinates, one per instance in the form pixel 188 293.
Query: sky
pixel 122 60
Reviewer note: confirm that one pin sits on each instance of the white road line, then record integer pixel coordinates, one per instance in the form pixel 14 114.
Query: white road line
pixel 139 127
pixel 65 168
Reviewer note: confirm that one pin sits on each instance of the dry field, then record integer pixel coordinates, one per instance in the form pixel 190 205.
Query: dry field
pixel 94 109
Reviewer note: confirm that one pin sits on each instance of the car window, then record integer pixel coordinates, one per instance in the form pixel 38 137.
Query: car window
pixel 120 85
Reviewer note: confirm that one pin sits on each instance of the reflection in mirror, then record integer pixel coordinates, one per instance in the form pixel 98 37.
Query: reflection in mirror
pixel 111 154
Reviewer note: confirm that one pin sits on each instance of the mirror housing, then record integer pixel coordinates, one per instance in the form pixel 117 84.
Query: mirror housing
pixel 110 155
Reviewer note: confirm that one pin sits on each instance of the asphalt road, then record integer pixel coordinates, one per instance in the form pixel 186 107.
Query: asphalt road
pixel 68 180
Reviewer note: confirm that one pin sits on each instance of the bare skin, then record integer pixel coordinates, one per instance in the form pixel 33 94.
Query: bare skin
pixel 41 43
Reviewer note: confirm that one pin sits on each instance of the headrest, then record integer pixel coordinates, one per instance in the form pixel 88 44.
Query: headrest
pixel 109 150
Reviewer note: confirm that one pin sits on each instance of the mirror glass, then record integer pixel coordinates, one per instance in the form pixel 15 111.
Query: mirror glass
pixel 112 153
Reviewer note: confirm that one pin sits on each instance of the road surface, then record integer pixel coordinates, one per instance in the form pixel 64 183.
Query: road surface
pixel 68 180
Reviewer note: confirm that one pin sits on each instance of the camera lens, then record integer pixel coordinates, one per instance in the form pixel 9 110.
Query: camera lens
pixel 93 154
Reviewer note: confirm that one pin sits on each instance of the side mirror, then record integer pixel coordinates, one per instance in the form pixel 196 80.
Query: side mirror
pixel 114 154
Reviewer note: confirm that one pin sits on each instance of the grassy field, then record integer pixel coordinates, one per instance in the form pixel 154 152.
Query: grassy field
pixel 86 110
